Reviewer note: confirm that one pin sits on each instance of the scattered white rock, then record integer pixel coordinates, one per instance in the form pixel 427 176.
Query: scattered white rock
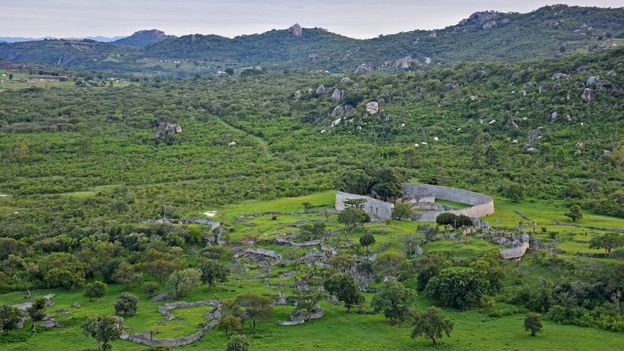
pixel 372 107
pixel 492 121
pixel 336 122
pixel 515 141
pixel 232 143
pixel 210 214
pixel 435 138
pixel 423 143
pixel 402 125
pixel 323 131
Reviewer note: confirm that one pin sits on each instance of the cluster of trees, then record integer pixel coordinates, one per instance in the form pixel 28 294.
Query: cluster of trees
pixel 385 183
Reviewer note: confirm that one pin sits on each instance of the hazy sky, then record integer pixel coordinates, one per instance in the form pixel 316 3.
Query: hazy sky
pixel 354 18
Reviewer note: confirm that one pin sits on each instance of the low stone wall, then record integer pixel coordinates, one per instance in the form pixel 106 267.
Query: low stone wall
pixel 482 205
pixel 145 337
pixel 300 317
pixel 377 209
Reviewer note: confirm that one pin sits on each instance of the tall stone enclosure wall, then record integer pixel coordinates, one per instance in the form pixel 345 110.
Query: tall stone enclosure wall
pixel 377 209
pixel 482 205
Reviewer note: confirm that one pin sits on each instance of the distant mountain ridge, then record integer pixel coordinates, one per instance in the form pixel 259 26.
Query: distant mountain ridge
pixel 23 39
pixel 484 36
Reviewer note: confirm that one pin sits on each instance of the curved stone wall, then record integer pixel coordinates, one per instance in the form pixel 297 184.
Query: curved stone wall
pixel 482 205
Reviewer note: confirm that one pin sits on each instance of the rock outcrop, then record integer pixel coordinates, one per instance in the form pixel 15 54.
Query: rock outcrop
pixel 372 107
pixel 404 63
pixel 338 94
pixel 364 68
pixel 588 95
pixel 296 30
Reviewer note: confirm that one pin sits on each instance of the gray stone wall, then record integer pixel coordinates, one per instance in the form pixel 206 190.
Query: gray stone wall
pixel 482 205
pixel 377 209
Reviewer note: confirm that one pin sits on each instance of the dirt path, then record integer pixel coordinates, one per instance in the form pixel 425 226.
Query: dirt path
pixel 261 142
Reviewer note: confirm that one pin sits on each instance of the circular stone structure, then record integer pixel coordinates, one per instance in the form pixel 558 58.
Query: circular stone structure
pixel 481 205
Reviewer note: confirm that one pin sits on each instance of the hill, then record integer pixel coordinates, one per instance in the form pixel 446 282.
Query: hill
pixel 143 38
pixel 485 36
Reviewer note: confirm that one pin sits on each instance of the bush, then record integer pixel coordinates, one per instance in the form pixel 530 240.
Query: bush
pixel 150 288
pixel 459 289
pixel 95 290
pixel 127 304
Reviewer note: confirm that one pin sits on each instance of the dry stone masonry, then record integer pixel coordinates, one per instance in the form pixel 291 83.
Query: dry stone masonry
pixel 481 205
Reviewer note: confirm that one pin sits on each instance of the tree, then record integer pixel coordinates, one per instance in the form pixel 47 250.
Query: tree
pixel 182 282
pixel 237 343
pixel 255 307
pixel 429 231
pixel 459 289
pixel 389 264
pixel 388 184
pixel 432 324
pixel 354 181
pixel 9 317
pixel 463 221
pixel 608 242
pixel 401 210
pixel 213 272
pixel 103 329
pixel 344 289
pixel 367 240
pixel 307 300
pixel 533 323
pixel 36 312
pixel 127 304
pixel 352 217
pixel 490 266
pixel 229 71
pixel 446 219
pixel 160 269
pixel 514 192
pixel 428 267
pixel 394 300
pixel 95 290
pixel 575 213
pixel 313 231
pixel 230 324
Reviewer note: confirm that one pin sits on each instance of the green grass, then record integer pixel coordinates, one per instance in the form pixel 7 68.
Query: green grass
pixel 474 330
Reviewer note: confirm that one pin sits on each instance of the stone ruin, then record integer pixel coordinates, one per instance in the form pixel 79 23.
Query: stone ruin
pixel 146 337
pixel 481 205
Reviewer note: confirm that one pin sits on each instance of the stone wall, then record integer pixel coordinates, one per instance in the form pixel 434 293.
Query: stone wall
pixel 482 205
pixel 377 209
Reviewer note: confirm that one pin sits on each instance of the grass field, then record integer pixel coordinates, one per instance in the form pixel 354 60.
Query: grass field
pixel 474 330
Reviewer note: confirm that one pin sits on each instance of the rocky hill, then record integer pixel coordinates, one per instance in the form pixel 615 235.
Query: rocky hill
pixel 484 36
pixel 143 38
